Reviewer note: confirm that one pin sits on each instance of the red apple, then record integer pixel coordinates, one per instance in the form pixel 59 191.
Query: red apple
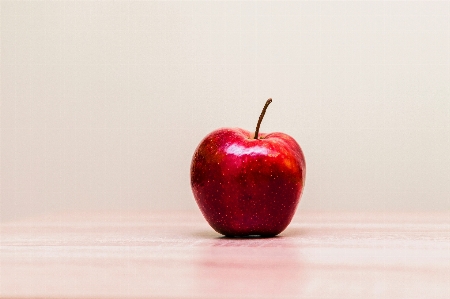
pixel 248 184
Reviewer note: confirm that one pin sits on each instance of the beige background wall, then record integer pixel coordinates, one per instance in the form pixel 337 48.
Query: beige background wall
pixel 103 103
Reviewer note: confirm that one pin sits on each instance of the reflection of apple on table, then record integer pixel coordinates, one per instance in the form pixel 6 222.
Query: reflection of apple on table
pixel 248 184
pixel 256 268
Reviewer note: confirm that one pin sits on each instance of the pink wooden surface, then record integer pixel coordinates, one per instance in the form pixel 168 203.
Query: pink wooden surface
pixel 177 255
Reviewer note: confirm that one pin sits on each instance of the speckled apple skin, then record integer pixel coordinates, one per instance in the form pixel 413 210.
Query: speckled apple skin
pixel 245 186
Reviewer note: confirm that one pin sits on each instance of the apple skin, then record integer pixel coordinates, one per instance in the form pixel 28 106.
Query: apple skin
pixel 245 186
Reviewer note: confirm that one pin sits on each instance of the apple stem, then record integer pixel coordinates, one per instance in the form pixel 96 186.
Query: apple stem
pixel 261 117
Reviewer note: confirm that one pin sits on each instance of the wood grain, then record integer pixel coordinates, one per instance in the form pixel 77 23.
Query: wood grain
pixel 177 255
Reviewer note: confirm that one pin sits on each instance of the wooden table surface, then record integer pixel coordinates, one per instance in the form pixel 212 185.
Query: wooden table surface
pixel 177 255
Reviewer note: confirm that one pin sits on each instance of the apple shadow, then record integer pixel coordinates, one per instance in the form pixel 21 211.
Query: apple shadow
pixel 251 237
pixel 288 233
pixel 215 235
